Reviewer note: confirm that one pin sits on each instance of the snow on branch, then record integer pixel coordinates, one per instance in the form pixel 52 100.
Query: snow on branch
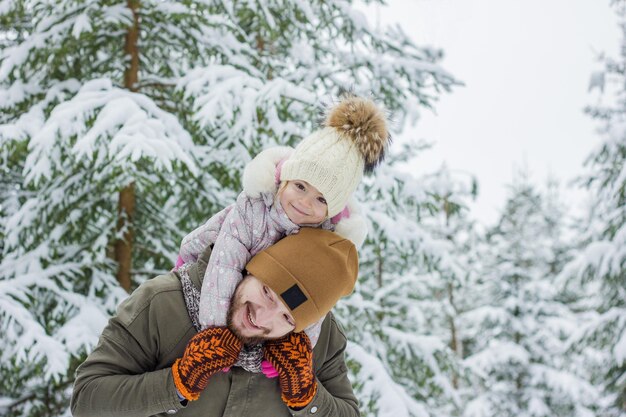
pixel 227 98
pixel 391 399
pixel 107 120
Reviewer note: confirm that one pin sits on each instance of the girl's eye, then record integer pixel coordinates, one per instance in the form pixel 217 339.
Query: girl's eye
pixel 266 291
pixel 322 200
pixel 299 186
pixel 288 320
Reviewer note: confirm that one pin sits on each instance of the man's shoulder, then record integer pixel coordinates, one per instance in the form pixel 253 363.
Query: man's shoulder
pixel 332 335
pixel 162 295
pixel 328 353
pixel 335 325
pixel 160 284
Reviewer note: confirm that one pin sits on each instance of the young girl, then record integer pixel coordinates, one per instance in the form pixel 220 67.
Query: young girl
pixel 284 190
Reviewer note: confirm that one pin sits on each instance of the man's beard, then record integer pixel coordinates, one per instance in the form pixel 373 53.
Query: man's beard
pixel 236 305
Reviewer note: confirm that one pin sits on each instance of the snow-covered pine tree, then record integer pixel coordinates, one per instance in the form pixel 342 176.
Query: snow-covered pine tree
pixel 123 125
pixel 399 317
pixel 456 265
pixel 516 335
pixel 95 168
pixel 598 271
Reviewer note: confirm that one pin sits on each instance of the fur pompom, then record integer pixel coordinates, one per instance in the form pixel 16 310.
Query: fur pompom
pixel 354 227
pixel 360 120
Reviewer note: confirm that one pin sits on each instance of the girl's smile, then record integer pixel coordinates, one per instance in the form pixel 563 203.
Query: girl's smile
pixel 303 203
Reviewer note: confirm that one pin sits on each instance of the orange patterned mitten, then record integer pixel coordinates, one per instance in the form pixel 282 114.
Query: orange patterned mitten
pixel 292 357
pixel 207 353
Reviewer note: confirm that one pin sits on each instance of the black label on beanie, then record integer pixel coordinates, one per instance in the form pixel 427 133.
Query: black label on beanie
pixel 294 297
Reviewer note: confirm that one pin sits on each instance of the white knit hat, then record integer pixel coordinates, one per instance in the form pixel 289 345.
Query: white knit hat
pixel 333 159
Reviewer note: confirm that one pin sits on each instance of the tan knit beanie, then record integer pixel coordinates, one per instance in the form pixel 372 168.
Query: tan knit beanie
pixel 309 271
pixel 353 140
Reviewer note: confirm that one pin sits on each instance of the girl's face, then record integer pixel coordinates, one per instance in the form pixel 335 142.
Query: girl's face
pixel 303 203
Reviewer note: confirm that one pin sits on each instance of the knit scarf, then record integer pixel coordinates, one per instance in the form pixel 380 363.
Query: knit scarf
pixel 250 357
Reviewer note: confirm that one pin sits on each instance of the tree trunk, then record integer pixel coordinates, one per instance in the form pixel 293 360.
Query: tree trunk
pixel 126 200
pixel 131 75
pixel 124 246
pixel 455 342
pixel 379 264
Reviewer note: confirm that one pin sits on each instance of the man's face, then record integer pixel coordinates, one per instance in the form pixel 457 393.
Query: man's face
pixel 256 313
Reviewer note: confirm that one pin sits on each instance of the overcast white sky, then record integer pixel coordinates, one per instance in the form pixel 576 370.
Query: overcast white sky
pixel 526 65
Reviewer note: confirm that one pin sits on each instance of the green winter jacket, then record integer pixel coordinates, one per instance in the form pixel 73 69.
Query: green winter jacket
pixel 129 372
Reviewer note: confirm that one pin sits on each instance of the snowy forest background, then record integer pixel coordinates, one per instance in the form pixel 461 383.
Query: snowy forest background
pixel 124 125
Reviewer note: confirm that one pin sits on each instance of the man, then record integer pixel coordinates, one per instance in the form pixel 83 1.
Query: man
pixel 151 358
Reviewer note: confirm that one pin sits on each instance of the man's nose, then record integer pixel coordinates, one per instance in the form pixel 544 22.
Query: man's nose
pixel 266 314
